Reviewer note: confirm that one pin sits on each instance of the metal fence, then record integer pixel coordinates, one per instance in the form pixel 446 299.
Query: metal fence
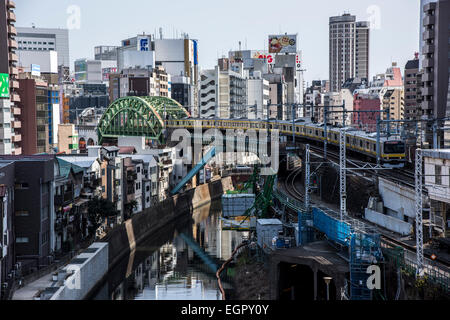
pixel 434 272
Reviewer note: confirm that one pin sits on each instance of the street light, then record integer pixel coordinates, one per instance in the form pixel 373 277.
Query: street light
pixel 327 282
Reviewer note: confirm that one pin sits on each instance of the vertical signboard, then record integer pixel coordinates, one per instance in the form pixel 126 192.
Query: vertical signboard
pixel 143 43
pixel 36 70
pixel 4 85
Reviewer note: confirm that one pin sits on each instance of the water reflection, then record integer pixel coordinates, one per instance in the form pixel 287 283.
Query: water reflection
pixel 176 263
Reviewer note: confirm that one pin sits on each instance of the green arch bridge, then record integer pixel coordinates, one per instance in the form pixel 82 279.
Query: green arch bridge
pixel 139 117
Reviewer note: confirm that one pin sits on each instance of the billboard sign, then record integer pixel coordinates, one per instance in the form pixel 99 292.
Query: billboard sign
pixel 36 70
pixel 143 43
pixel 4 85
pixel 283 43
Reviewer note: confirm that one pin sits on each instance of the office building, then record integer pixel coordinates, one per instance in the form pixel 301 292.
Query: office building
pixel 107 53
pixel 44 39
pixel 349 50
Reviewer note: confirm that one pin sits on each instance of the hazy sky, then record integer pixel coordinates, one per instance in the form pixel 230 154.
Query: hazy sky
pixel 220 25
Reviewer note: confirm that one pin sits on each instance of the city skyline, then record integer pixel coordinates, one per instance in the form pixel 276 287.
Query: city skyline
pixel 214 42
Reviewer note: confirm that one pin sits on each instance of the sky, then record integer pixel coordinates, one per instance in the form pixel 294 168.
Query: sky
pixel 220 25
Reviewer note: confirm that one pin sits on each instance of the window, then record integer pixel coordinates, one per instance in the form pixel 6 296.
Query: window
pixel 22 186
pixel 22 214
pixel 437 174
pixel 138 169
pixel 22 240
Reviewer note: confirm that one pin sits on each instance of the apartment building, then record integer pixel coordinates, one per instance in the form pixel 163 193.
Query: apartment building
pixel 393 102
pixel 349 50
pixel 435 65
pixel 10 125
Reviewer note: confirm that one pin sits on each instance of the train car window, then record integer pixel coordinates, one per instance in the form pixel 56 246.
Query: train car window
pixel 348 140
pixel 360 143
pixel 394 147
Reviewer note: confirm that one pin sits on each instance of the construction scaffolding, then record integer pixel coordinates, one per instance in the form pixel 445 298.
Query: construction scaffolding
pixel 365 251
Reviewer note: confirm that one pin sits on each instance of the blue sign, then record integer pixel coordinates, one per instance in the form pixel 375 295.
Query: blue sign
pixel 143 44
pixel 35 70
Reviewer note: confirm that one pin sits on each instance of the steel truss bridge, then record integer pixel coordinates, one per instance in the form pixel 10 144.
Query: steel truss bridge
pixel 139 116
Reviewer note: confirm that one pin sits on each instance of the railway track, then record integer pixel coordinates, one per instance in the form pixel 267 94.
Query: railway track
pixel 402 176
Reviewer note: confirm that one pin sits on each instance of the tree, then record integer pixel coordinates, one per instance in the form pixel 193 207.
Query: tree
pixel 98 210
pixel 129 207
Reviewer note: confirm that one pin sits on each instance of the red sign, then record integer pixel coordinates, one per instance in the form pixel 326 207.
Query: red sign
pixel 269 58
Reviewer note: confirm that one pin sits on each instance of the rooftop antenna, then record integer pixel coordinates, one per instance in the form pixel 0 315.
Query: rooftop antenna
pixel 239 46
pixel 33 25
pixel 160 33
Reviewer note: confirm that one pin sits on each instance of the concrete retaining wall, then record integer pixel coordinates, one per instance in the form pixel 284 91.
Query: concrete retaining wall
pixel 87 273
pixel 124 238
pixel 390 223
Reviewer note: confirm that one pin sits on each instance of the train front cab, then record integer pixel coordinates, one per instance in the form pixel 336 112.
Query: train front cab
pixel 394 154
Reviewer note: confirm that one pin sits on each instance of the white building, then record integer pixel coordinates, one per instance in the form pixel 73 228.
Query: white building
pixel 223 93
pixel 258 91
pixel 44 39
pixel 46 60
pixel 437 181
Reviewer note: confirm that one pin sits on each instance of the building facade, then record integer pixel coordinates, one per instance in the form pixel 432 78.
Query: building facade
pixel 435 64
pixel 45 39
pixel 10 125
pixel 349 50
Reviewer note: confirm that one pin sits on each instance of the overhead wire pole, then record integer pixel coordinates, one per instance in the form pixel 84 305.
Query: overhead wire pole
pixel 419 212
pixel 307 178
pixel 342 174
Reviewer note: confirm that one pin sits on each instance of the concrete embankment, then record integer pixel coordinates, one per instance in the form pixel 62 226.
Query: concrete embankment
pixel 122 240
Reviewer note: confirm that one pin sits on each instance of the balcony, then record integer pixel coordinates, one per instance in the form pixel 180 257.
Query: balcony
pixel 13 57
pixel 12 30
pixel 15 97
pixel 429 76
pixel 10 4
pixel 429 34
pixel 428 49
pixel 16 124
pixel 429 20
pixel 17 151
pixel 14 84
pixel 429 91
pixel 16 138
pixel 428 63
pixel 13 71
pixel 430 6
pixel 63 200
pixel 427 104
pixel 11 16
pixel 12 43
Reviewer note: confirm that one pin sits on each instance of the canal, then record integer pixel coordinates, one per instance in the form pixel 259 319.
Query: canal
pixel 178 262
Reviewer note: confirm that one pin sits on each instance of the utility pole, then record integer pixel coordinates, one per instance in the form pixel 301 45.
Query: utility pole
pixel 325 129
pixel 378 140
pixel 307 178
pixel 419 211
pixel 293 124
pixel 342 174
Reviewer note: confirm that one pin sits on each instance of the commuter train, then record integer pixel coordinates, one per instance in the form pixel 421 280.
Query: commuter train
pixel 392 149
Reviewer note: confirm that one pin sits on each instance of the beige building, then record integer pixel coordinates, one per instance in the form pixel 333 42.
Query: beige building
pixel 67 138
pixel 393 100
